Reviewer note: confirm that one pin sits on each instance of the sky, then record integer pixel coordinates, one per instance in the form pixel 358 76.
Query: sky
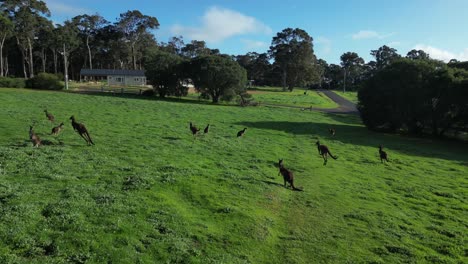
pixel 439 27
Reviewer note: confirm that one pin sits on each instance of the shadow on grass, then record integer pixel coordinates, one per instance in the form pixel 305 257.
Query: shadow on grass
pixel 360 135
pixel 299 189
pixel 183 100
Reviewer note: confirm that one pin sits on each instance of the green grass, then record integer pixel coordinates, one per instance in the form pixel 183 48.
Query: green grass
pixel 275 95
pixel 148 192
pixel 350 95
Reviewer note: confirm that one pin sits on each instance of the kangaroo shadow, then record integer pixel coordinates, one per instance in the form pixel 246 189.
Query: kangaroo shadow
pixel 281 185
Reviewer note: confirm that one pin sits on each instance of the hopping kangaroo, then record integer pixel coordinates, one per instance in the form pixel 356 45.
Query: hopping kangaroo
pixel 324 151
pixel 332 131
pixel 81 129
pixel 49 116
pixel 56 130
pixel 194 129
pixel 287 175
pixel 383 154
pixel 34 138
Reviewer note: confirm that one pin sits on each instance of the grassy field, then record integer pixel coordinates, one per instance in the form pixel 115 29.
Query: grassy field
pixel 148 192
pixel 350 95
pixel 275 95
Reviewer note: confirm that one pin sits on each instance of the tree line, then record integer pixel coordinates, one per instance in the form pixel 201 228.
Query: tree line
pixel 412 93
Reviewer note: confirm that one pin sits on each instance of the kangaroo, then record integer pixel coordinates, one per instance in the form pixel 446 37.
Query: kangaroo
pixel 287 175
pixel 34 138
pixel 194 129
pixel 332 131
pixel 241 133
pixel 81 129
pixel 324 151
pixel 49 116
pixel 383 154
pixel 56 130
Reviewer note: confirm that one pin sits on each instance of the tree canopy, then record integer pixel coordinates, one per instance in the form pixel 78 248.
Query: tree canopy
pixel 293 52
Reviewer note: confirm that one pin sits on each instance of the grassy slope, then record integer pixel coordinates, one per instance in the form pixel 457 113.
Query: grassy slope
pixel 148 192
pixel 350 95
pixel 275 95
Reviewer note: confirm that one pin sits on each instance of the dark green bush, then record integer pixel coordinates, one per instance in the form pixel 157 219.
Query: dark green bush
pixel 45 81
pixel 12 82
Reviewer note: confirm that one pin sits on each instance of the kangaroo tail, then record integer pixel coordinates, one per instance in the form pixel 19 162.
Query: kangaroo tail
pixel 334 157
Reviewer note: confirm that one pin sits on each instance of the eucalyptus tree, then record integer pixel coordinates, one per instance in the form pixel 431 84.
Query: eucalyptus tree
pixel 195 48
pixel 217 76
pixel 384 56
pixel 352 66
pixel 44 37
pixel 26 16
pixel 67 38
pixel 293 52
pixel 134 25
pixel 6 31
pixel 88 26
pixel 417 55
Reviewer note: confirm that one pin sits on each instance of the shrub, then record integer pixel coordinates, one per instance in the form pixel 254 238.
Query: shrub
pixel 12 82
pixel 45 81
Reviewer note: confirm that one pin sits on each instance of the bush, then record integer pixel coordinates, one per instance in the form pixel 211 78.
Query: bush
pixel 12 82
pixel 45 81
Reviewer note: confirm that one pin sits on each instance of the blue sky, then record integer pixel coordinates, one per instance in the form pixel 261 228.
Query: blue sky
pixel 236 27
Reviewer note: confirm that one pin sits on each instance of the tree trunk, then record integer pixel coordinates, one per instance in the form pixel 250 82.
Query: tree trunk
pixel 31 63
pixel 65 62
pixel 43 55
pixel 1 55
pixel 6 66
pixel 89 53
pixel 134 56
pixel 285 75
pixel 54 54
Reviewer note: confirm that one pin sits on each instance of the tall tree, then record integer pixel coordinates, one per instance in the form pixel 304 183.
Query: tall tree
pixel 88 26
pixel 67 37
pixel 134 25
pixel 384 56
pixel 417 55
pixel 292 50
pixel 6 30
pixel 26 16
pixel 164 71
pixel 217 76
pixel 352 66
pixel 195 48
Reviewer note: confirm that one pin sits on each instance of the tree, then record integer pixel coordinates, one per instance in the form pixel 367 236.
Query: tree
pixel 195 48
pixel 333 75
pixel 352 66
pixel 6 30
pixel 164 71
pixel 417 55
pixel 134 25
pixel 67 36
pixel 26 15
pixel 292 50
pixel 88 27
pixel 384 56
pixel 217 76
pixel 414 95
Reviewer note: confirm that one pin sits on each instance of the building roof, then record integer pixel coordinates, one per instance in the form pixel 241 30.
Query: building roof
pixel 107 72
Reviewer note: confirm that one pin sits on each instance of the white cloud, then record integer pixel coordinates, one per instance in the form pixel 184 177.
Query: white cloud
pixel 324 44
pixel 444 55
pixel 254 44
pixel 370 34
pixel 60 8
pixel 218 24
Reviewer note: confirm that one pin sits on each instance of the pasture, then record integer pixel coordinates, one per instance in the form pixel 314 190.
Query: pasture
pixel 296 98
pixel 149 192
